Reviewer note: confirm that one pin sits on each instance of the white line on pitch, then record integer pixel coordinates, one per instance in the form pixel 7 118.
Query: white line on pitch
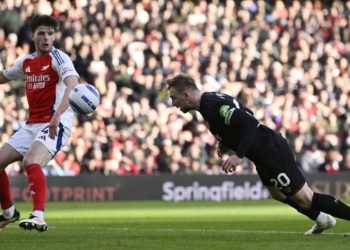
pixel 237 231
pixel 233 231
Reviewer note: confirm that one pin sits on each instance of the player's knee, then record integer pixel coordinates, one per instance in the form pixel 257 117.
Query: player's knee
pixel 27 160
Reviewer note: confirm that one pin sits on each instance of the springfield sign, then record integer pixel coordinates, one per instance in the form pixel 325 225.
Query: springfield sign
pixel 227 190
pixel 173 188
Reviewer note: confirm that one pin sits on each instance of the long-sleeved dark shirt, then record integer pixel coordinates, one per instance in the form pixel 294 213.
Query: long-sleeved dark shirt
pixel 232 124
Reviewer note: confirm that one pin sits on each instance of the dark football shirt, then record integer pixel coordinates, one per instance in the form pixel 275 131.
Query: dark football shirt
pixel 229 121
pixel 234 126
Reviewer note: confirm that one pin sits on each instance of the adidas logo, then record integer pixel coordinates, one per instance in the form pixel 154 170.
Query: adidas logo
pixel 42 137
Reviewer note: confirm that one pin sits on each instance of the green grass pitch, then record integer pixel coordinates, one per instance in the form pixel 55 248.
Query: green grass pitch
pixel 167 225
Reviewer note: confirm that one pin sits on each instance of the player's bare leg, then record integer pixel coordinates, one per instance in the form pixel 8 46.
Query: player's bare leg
pixel 322 220
pixel 305 198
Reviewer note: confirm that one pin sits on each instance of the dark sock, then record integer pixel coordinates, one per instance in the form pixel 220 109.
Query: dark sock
pixel 330 205
pixel 311 213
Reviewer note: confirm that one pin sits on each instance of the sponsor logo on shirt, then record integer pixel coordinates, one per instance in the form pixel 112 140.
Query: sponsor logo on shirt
pixel 36 85
pixel 36 81
pixel 223 110
pixel 226 113
pixel 37 78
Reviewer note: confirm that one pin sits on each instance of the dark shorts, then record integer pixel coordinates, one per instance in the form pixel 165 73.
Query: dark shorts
pixel 275 162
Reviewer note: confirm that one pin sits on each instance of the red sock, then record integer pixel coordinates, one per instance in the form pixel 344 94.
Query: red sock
pixel 37 185
pixel 5 192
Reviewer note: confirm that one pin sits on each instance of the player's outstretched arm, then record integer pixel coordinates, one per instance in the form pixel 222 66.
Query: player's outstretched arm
pixel 71 82
pixel 3 79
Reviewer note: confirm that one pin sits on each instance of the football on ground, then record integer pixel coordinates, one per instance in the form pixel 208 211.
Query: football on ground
pixel 84 98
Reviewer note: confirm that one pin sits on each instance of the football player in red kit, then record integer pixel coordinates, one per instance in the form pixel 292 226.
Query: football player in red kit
pixel 48 75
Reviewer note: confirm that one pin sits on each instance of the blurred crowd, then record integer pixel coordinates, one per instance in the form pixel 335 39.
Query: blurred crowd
pixel 287 60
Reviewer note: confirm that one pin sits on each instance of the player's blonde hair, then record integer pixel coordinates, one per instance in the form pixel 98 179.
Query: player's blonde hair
pixel 182 82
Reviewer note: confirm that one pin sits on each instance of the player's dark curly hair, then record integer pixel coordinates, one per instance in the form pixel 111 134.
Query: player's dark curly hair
pixel 182 82
pixel 43 20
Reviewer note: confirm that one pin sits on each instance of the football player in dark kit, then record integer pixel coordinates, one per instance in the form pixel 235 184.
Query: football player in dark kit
pixel 242 135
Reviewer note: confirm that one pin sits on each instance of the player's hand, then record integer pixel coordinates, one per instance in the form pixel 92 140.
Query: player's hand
pixel 53 126
pixel 230 164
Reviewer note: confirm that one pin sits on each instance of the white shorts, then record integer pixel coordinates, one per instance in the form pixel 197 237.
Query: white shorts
pixel 23 138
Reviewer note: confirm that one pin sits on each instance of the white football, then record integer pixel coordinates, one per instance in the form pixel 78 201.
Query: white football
pixel 84 98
